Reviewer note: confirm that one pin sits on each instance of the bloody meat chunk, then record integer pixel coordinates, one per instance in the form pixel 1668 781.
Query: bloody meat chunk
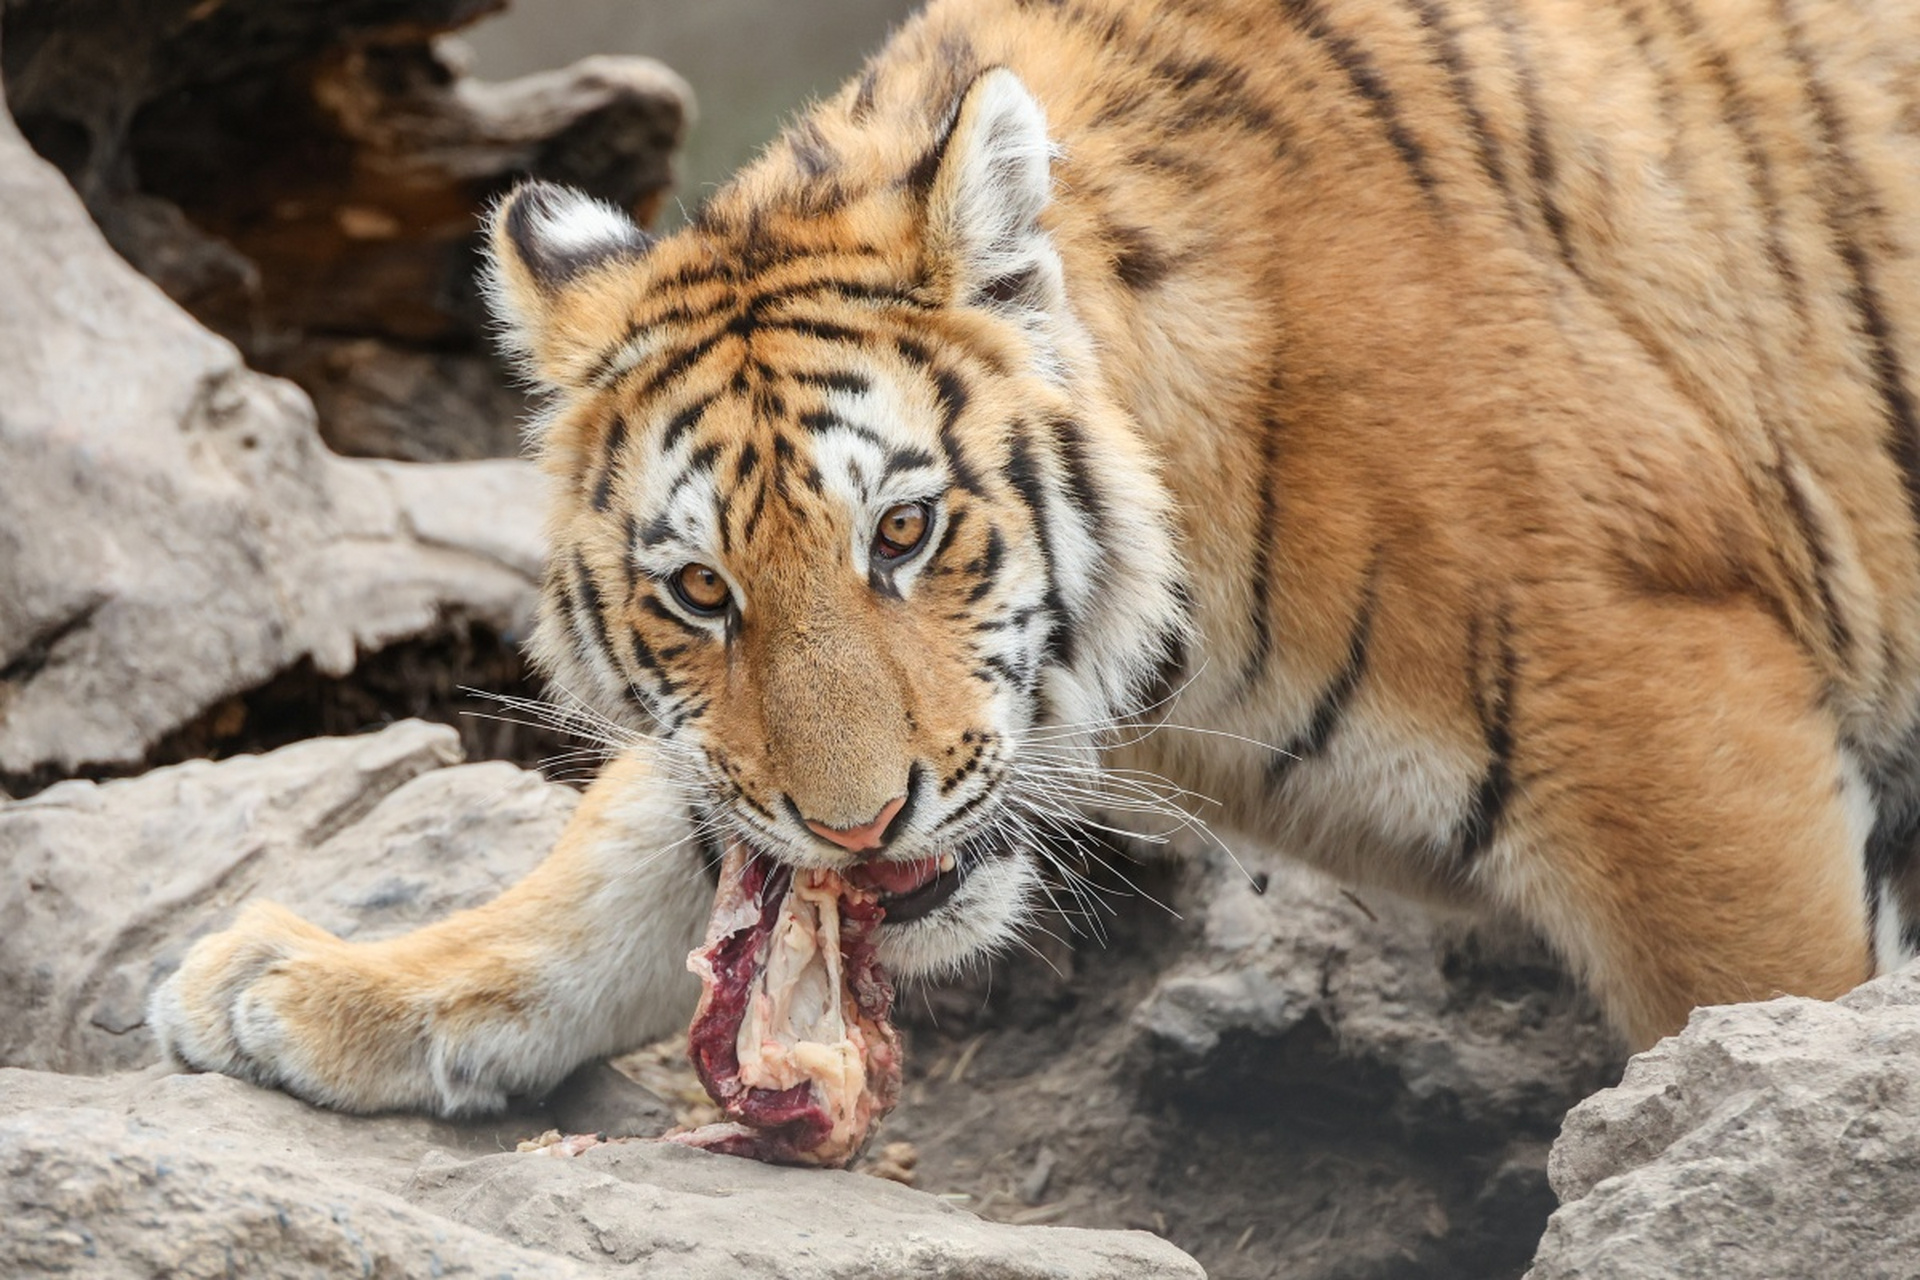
pixel 791 1037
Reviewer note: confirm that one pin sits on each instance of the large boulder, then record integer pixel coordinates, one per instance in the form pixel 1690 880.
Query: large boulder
pixel 112 881
pixel 174 532
pixel 1765 1140
pixel 131 1177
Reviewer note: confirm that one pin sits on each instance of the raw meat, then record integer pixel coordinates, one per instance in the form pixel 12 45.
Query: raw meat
pixel 792 1037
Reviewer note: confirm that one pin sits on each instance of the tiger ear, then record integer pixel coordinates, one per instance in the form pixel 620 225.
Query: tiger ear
pixel 987 182
pixel 548 281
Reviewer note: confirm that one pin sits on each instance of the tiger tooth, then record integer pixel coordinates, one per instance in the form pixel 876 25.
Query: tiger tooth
pixel 946 862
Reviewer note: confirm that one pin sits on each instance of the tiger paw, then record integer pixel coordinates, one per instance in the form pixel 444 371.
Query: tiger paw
pixel 285 1004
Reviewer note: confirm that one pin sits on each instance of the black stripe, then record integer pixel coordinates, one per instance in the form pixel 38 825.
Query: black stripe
pixel 1849 191
pixel 986 566
pixel 1024 475
pixel 1083 495
pixel 1839 634
pixel 1539 156
pixel 1672 104
pixel 699 463
pixel 822 330
pixel 678 365
pixel 645 659
pixel 1192 170
pixel 835 380
pixel 785 459
pixel 921 173
pixel 594 607
pixel 820 421
pixel 1001 667
pixel 1260 581
pixel 1138 260
pixel 907 459
pixel 658 530
pixel 630 540
pixel 603 363
pixel 913 352
pixel 650 603
pixel 1494 705
pixel 1331 708
pixel 1021 287
pixel 1444 44
pixel 1203 91
pixel 956 516
pixel 610 451
pixel 557 594
pixel 1366 80
pixel 757 510
pixel 1737 111
pixel 951 392
pixel 1208 92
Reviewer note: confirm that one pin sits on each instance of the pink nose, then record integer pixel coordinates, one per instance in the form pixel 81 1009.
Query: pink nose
pixel 861 838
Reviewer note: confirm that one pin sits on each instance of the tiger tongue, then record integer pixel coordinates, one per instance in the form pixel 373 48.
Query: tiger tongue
pixel 895 878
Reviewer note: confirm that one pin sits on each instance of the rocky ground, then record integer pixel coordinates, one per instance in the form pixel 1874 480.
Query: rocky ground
pixel 214 628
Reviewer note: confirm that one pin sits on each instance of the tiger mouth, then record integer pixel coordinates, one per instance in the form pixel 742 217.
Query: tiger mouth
pixel 911 891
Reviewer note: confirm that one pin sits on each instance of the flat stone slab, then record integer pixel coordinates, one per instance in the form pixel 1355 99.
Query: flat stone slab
pixel 183 1175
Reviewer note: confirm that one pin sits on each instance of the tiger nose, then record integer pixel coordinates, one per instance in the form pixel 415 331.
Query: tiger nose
pixel 868 835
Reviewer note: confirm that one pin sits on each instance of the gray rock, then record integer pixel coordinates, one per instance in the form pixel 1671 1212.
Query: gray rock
pixel 207 1176
pixel 1369 1046
pixel 1439 1032
pixel 365 836
pixel 598 1099
pixel 1765 1140
pixel 174 532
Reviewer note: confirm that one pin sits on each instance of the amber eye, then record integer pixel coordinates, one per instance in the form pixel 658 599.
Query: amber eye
pixel 701 590
pixel 902 529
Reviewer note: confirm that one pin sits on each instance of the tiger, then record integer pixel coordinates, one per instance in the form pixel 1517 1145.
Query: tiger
pixel 1471 443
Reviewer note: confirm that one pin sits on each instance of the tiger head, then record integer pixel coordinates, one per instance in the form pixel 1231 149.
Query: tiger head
pixel 845 523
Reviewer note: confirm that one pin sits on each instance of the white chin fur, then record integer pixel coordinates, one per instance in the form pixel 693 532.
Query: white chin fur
pixel 980 919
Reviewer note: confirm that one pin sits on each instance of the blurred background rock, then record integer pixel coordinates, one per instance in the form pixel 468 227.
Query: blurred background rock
pixel 750 62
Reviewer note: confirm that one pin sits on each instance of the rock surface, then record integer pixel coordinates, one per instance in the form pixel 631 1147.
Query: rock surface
pixel 174 531
pixel 1765 1140
pixel 206 1176
pixel 365 836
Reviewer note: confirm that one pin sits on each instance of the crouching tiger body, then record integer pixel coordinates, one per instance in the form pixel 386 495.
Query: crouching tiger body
pixel 1485 428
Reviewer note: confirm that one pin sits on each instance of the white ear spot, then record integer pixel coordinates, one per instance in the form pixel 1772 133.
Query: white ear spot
pixel 557 232
pixel 992 179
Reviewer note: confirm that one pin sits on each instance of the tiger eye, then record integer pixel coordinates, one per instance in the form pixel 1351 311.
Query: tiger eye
pixel 700 589
pixel 902 528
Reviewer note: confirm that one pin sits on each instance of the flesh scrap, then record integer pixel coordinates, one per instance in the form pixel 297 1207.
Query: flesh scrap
pixel 792 1037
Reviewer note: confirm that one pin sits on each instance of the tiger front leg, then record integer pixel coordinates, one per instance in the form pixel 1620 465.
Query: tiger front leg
pixel 584 957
